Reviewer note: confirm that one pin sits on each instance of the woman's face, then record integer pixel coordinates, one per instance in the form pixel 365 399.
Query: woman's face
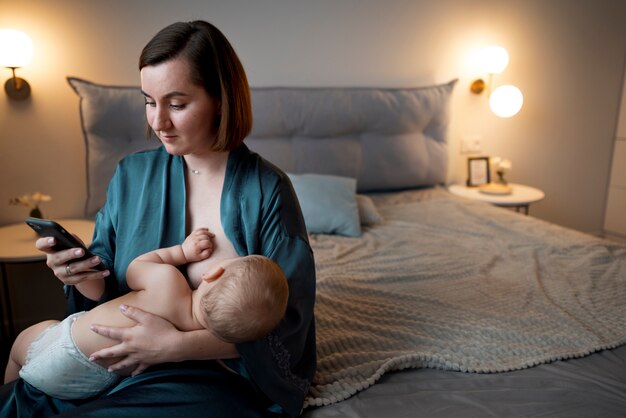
pixel 180 113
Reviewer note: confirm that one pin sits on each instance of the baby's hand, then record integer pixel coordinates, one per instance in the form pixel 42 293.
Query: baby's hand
pixel 198 245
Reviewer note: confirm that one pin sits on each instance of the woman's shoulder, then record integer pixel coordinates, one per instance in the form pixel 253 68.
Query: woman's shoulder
pixel 250 162
pixel 145 156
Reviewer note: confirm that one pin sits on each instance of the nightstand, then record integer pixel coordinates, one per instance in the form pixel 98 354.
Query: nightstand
pixel 17 246
pixel 520 198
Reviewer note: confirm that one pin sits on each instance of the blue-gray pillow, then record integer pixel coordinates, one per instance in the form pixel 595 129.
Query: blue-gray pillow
pixel 328 203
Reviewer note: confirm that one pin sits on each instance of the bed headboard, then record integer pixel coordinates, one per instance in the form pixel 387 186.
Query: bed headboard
pixel 386 138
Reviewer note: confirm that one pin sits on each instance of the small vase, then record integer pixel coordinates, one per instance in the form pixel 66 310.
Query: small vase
pixel 501 179
pixel 36 213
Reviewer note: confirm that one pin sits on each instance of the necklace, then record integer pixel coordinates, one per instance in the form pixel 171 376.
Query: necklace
pixel 196 172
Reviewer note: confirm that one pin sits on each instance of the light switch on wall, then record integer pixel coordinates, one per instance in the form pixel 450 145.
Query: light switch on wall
pixel 470 144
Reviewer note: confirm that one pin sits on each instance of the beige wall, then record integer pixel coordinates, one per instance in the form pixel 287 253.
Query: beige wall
pixel 567 56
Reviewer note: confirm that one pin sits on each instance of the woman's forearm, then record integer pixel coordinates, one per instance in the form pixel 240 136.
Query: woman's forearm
pixel 91 289
pixel 203 345
pixel 154 340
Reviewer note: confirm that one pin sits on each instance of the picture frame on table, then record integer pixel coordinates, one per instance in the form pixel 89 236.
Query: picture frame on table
pixel 478 172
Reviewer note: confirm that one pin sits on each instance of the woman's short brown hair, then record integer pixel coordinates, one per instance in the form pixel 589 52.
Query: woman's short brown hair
pixel 215 66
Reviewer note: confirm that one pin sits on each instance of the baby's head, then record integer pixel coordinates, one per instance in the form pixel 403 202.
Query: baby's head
pixel 247 301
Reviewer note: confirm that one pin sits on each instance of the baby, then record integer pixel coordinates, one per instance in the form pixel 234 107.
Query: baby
pixel 244 299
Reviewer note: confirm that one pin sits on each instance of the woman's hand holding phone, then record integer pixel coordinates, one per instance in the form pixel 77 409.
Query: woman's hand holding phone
pixel 67 255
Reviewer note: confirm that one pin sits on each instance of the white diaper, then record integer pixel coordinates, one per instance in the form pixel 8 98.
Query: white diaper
pixel 56 366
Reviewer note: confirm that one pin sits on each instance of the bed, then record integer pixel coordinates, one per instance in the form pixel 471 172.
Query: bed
pixel 428 304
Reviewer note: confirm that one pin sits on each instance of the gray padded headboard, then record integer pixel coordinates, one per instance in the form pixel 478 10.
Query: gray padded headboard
pixel 386 138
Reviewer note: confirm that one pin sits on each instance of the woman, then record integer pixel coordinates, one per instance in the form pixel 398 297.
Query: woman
pixel 198 104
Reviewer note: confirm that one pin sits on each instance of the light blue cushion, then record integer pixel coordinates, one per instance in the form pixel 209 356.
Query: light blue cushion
pixel 328 203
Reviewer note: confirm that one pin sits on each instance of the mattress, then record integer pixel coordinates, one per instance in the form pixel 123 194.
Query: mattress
pixel 593 386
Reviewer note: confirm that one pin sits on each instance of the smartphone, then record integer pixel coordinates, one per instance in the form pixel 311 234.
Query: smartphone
pixel 64 240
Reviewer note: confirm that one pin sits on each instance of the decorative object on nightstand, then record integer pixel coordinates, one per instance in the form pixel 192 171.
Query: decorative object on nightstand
pixel 498 186
pixel 31 202
pixel 478 172
pixel 520 198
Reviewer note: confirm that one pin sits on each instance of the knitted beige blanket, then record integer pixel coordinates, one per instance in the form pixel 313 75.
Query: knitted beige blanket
pixel 458 285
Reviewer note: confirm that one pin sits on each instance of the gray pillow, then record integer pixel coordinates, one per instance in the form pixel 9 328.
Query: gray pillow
pixel 368 213
pixel 385 138
pixel 114 125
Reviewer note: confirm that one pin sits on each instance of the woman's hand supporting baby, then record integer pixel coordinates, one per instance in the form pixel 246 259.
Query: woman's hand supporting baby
pixel 152 340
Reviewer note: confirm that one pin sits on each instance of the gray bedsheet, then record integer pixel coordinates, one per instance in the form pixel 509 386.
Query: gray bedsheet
pixel 589 387
pixel 462 286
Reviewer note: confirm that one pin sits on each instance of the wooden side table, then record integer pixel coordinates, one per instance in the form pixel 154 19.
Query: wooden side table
pixel 17 245
pixel 520 198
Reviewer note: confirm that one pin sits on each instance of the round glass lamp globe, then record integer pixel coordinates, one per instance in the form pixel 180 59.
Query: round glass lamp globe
pixel 493 59
pixel 16 48
pixel 506 101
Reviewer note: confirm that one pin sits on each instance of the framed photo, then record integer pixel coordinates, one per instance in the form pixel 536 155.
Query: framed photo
pixel 477 171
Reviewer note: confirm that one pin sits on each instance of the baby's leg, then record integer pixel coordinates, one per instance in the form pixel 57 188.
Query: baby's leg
pixel 17 358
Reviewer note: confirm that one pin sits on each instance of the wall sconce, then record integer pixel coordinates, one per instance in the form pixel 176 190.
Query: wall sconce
pixel 16 50
pixel 505 101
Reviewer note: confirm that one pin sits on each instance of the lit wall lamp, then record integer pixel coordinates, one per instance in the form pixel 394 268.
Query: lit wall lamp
pixel 505 101
pixel 16 50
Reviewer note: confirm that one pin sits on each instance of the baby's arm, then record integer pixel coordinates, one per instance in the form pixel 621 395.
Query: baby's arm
pixel 196 247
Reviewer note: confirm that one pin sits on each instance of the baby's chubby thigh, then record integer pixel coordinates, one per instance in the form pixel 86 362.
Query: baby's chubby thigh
pixel 19 350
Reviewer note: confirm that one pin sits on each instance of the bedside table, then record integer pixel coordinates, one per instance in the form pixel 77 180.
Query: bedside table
pixel 17 245
pixel 520 198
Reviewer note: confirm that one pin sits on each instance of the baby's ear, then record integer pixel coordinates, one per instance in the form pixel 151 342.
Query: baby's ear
pixel 214 275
